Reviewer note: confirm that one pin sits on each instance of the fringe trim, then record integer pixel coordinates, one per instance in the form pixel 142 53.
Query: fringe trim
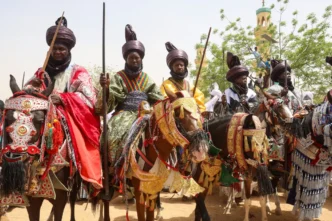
pixel 311 188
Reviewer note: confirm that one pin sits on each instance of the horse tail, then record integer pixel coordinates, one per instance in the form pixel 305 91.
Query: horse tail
pixel 94 204
pixel 264 183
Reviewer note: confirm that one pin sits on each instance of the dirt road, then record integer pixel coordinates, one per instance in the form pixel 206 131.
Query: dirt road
pixel 174 210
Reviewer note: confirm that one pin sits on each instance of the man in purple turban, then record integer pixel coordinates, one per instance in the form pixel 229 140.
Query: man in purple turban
pixel 239 97
pixel 125 91
pixel 74 99
pixel 177 61
pixel 283 86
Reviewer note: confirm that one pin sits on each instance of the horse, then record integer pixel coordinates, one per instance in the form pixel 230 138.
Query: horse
pixel 174 123
pixel 311 161
pixel 280 114
pixel 23 134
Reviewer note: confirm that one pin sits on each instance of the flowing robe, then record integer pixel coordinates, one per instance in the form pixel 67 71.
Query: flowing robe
pixel 120 89
pixel 75 88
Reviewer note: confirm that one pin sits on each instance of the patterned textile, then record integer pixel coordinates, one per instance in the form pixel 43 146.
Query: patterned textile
pixel 78 119
pixel 237 141
pixel 311 187
pixel 122 120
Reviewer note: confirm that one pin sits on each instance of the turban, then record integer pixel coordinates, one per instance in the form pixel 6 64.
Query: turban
pixel 278 68
pixel 132 44
pixel 65 35
pixel 174 54
pixel 235 68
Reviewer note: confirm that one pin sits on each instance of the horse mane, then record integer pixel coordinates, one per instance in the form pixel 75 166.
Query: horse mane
pixel 301 128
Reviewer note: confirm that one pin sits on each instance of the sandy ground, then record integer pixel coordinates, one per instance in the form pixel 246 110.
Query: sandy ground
pixel 174 210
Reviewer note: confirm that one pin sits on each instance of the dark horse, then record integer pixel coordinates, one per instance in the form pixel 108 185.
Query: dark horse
pixel 158 147
pixel 18 161
pixel 219 129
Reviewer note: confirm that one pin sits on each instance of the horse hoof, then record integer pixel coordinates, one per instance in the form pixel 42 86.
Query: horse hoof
pixel 159 218
pixel 278 212
pixel 268 210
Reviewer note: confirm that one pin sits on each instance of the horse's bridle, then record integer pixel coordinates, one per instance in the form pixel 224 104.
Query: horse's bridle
pixel 22 130
pixel 277 103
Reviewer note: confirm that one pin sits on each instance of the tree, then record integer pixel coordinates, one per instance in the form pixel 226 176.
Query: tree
pixel 304 47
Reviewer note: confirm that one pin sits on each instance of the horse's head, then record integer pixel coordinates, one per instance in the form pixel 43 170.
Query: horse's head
pixel 24 119
pixel 188 121
pixel 278 112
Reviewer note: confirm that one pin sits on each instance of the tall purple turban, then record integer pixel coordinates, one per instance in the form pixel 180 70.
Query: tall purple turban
pixel 278 68
pixel 132 44
pixel 65 35
pixel 235 68
pixel 174 54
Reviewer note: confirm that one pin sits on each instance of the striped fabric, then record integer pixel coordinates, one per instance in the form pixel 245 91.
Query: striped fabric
pixel 137 84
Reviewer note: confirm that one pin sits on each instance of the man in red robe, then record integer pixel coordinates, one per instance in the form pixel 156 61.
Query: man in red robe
pixel 74 98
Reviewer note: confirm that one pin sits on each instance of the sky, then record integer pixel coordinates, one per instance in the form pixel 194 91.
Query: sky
pixel 24 23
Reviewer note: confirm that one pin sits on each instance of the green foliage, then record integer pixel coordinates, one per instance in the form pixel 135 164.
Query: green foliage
pixel 305 48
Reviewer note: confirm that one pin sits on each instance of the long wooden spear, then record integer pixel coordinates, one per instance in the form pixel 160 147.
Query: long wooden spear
pixel 105 145
pixel 200 66
pixel 52 43
pixel 23 80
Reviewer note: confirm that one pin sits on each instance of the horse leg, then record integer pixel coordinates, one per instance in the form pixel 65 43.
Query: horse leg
pixel 59 204
pixel 277 202
pixel 72 198
pixel 247 201
pixel 200 198
pixel 158 208
pixel 51 216
pixel 34 208
pixel 268 206
pixel 198 216
pixel 107 210
pixel 140 208
pixel 101 210
pixel 230 200
pixel 275 182
pixel 263 206
pixel 149 214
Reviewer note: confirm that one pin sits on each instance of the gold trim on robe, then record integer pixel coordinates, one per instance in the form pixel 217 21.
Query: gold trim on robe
pixel 199 96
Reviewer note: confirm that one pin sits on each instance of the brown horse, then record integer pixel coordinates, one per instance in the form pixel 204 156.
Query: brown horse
pixel 280 114
pixel 158 147
pixel 17 160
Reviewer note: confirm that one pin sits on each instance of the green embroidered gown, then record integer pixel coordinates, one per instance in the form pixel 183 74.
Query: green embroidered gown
pixel 122 120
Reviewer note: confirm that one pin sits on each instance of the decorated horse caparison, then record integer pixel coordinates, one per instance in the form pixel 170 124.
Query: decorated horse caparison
pixel 33 159
pixel 151 148
pixel 244 146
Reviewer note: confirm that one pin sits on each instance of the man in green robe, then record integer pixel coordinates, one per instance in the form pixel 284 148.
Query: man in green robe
pixel 125 91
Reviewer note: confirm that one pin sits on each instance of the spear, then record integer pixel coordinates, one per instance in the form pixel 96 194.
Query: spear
pixel 285 75
pixel 200 66
pixel 23 79
pixel 105 145
pixel 52 43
